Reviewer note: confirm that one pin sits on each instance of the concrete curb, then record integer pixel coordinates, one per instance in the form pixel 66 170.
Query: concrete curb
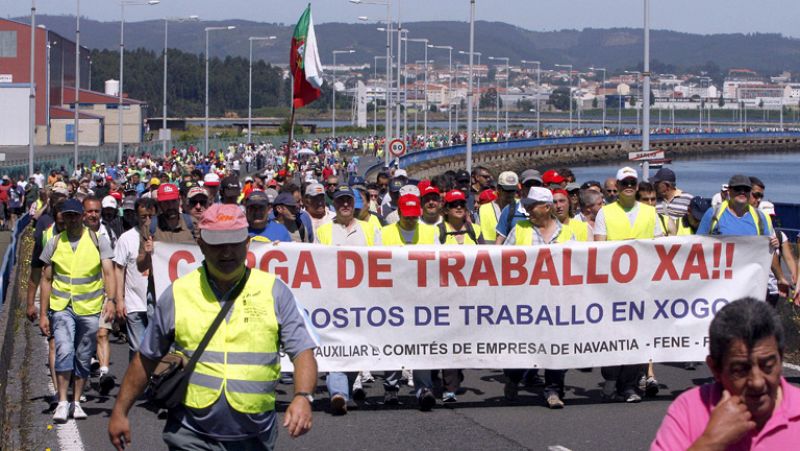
pixel 8 324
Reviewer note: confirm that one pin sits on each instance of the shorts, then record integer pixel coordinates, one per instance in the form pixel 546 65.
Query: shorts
pixel 103 324
pixel 76 341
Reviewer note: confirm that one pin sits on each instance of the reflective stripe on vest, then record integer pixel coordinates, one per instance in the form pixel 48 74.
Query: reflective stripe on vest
pixel 325 233
pixel 77 276
pixel 424 234
pixel 523 233
pixel 488 218
pixel 242 356
pixel 618 227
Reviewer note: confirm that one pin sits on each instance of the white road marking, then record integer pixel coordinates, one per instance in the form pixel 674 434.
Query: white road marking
pixel 69 437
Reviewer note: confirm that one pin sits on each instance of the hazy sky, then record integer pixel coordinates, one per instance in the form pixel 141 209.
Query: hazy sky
pixel 694 16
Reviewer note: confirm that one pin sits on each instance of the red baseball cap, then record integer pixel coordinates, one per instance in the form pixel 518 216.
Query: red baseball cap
pixel 409 206
pixel 223 224
pixel 560 191
pixel 427 188
pixel 486 196
pixel 454 196
pixel 167 192
pixel 116 195
pixel 552 176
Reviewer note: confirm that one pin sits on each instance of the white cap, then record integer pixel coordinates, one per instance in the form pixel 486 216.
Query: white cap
pixel 409 189
pixel 109 202
pixel 767 207
pixel 536 195
pixel 211 179
pixel 627 172
pixel 401 173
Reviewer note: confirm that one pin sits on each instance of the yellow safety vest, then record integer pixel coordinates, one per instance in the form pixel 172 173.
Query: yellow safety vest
pixel 374 222
pixel 619 228
pixel 683 230
pixel 488 218
pixel 579 228
pixel 242 357
pixel 424 234
pixel 77 276
pixel 751 210
pixel 47 234
pixel 325 232
pixel 451 239
pixel 523 231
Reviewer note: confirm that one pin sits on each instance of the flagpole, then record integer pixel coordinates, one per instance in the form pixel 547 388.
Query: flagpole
pixel 291 129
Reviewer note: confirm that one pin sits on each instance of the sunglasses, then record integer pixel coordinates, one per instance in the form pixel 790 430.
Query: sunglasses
pixel 741 189
pixel 627 183
pixel 193 202
pixel 460 204
pixel 758 195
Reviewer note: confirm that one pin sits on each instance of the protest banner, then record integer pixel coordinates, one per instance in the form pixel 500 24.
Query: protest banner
pixel 560 306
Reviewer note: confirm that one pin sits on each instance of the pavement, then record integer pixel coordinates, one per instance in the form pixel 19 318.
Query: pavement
pixel 482 419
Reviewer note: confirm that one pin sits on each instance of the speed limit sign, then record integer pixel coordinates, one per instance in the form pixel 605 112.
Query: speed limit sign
pixel 397 147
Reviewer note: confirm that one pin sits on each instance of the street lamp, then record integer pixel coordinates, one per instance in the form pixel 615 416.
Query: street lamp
pixel 472 74
pixel 425 112
pixel 387 128
pixel 167 20
pixel 333 119
pixel 469 90
pixel 375 97
pixel 497 93
pixel 569 88
pixel 449 49
pixel 208 30
pixel 602 87
pixel 32 94
pixel 250 86
pixel 538 89
pixel 122 5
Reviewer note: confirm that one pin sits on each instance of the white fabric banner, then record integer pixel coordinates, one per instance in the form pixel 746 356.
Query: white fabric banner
pixel 560 306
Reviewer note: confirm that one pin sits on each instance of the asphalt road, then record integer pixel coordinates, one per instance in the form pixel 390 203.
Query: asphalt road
pixel 481 419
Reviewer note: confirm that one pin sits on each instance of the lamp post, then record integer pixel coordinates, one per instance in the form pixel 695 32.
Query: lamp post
pixel 76 134
pixel 471 76
pixel 375 97
pixel 425 89
pixel 569 87
pixel 250 85
pixel 387 128
pixel 497 96
pixel 603 86
pixel 32 94
pixel 538 88
pixel 333 119
pixel 122 5
pixel 646 91
pixel 449 49
pixel 469 89
pixel 167 20
pixel 208 30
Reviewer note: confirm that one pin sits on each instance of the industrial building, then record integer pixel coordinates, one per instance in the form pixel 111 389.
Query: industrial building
pixel 54 82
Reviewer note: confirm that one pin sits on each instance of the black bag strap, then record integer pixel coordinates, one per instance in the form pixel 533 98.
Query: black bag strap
pixel 227 300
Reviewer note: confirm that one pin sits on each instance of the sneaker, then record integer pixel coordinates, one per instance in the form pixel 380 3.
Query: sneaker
pixel 62 412
pixel 643 383
pixel 449 396
pixel 77 411
pixel 632 397
pixel 690 366
pixel 511 390
pixel 366 376
pixel 651 387
pixel 554 401
pixel 390 398
pixel 82 398
pixel 338 405
pixel 359 394
pixel 426 400
pixel 106 384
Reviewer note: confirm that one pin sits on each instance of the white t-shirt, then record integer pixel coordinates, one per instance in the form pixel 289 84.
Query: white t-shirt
pixel 135 282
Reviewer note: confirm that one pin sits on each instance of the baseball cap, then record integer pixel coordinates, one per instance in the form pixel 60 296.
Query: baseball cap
pixel 257 198
pixel 552 176
pixel 410 206
pixel 767 207
pixel 740 180
pixel 231 182
pixel 627 172
pixel 462 176
pixel 508 181
pixel 285 199
pixel 248 179
pixel 409 189
pixel 117 196
pixel 129 203
pixel 487 196
pixel 572 187
pixel 454 196
pixel 60 188
pixel 590 184
pixel 342 191
pixel 271 194
pixel 314 189
pixel 72 206
pixel 428 189
pixel 196 191
pixel 664 175
pixel 531 174
pixel 698 207
pixel 154 181
pixel 108 202
pixel 400 173
pixel 537 194
pixel 211 179
pixel 395 185
pixel 167 192
pixel 223 224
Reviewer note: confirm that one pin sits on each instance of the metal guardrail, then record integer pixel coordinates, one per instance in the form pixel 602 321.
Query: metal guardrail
pixel 454 151
pixel 10 257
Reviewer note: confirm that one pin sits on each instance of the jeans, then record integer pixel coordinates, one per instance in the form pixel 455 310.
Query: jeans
pixel 76 341
pixel 340 383
pixel 625 377
pixel 137 323
pixel 422 379
pixel 553 379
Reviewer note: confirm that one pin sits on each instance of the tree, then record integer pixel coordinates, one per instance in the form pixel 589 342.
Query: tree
pixel 525 105
pixel 489 98
pixel 595 102
pixel 560 98
pixel 721 101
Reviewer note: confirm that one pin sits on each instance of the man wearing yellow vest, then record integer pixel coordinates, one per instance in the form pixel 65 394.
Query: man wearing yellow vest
pixel 230 399
pixel 541 228
pixel 626 219
pixel 345 230
pixel 407 231
pixel 561 205
pixel 78 275
pixel 489 214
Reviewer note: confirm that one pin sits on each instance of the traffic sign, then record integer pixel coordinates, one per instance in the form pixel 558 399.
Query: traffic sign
pixel 646 155
pixel 397 147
